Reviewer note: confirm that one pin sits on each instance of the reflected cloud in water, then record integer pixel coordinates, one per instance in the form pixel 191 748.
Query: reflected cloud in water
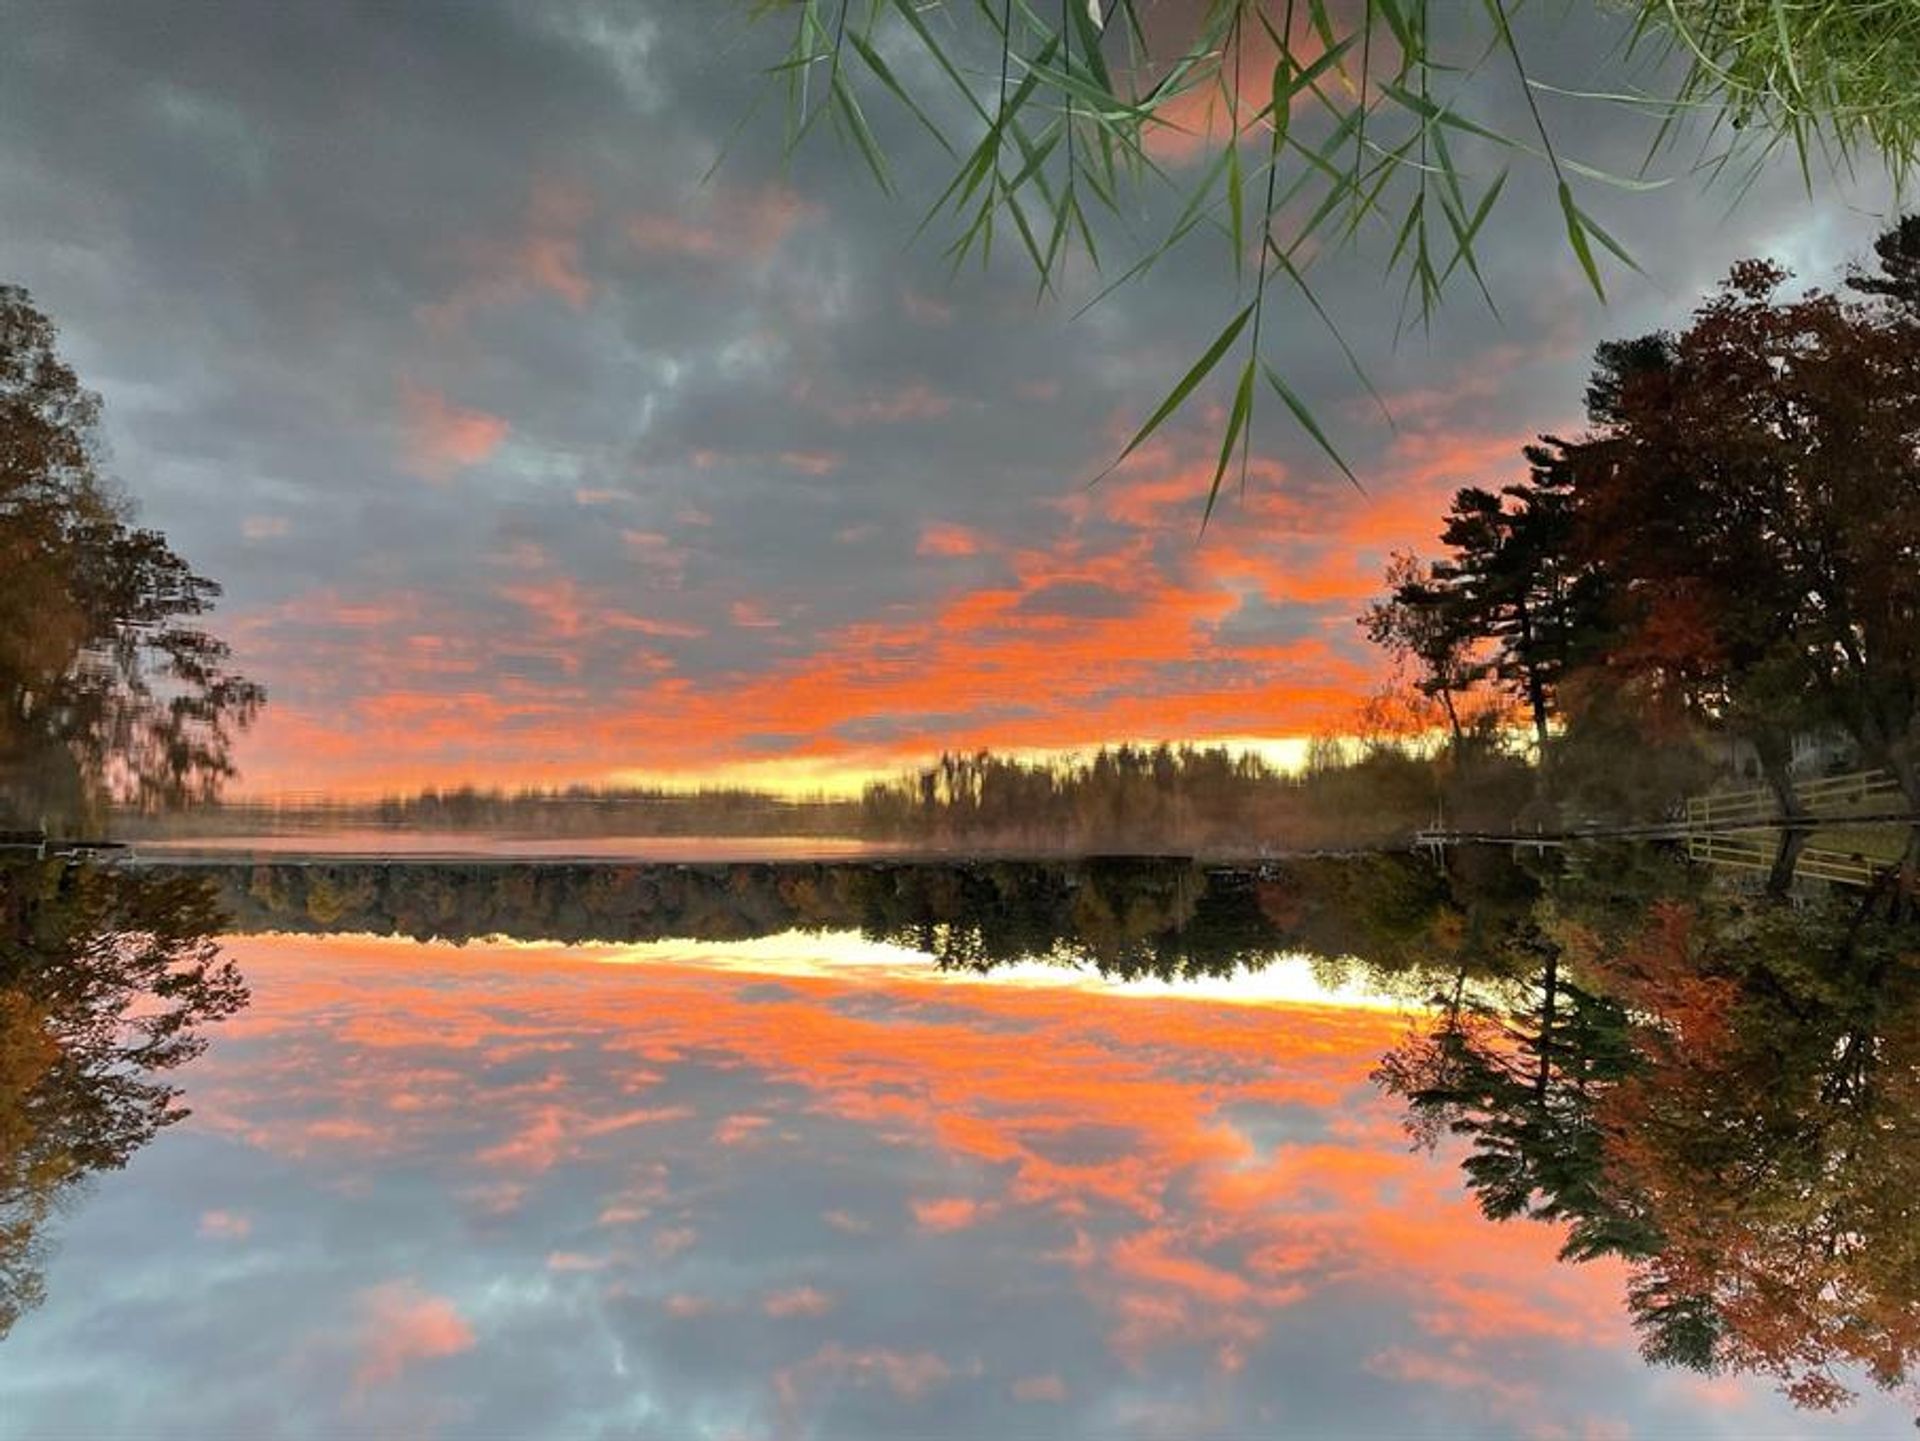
pixel 812 1186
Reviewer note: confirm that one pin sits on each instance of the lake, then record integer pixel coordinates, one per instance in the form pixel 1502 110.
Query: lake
pixel 841 1160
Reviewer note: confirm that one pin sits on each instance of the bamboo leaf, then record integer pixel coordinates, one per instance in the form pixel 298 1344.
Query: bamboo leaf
pixel 1236 424
pixel 1236 209
pixel 1577 236
pixel 878 65
pixel 1307 423
pixel 847 106
pixel 1202 368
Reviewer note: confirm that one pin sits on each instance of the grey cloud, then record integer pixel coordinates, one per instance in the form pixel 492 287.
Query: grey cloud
pixel 257 223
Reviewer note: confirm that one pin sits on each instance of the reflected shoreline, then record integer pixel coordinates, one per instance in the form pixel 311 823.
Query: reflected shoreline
pixel 1705 1085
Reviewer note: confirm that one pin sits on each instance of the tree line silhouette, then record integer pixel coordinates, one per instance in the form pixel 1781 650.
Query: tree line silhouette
pixel 1189 799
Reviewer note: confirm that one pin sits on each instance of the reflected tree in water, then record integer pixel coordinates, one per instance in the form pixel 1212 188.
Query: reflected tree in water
pixel 107 976
pixel 1723 1091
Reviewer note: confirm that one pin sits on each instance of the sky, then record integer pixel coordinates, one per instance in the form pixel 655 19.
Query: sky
pixel 806 1186
pixel 533 446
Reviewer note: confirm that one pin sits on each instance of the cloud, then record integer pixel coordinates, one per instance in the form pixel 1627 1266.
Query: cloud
pixel 226 1225
pixel 800 1301
pixel 673 1240
pixel 916 401
pixel 737 1130
pixel 937 538
pixel 910 1375
pixel 723 222
pixel 544 257
pixel 442 437
pixel 494 254
pixel 946 1213
pixel 1177 1211
pixel 1040 1388
pixel 401 1325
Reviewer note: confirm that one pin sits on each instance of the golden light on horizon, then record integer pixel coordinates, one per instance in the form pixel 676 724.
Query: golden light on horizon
pixel 787 777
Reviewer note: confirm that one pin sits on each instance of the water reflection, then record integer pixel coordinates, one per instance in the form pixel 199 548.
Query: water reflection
pixel 1723 1090
pixel 106 977
pixel 952 1149
pixel 1166 917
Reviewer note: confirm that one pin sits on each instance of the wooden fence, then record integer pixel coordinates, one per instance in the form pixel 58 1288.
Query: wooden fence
pixel 1756 853
pixel 1834 797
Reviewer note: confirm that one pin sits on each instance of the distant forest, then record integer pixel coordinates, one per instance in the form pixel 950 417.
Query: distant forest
pixel 1185 799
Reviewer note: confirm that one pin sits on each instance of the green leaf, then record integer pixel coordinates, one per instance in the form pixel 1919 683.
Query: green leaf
pixel 1577 236
pixel 1308 423
pixel 1619 251
pixel 1236 207
pixel 1619 182
pixel 1439 114
pixel 879 67
pixel 1283 92
pixel 1201 369
pixel 1090 45
pixel 848 108
pixel 1465 236
pixel 1236 424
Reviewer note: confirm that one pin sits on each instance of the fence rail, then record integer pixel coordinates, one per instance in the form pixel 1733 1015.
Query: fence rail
pixel 1815 863
pixel 1835 797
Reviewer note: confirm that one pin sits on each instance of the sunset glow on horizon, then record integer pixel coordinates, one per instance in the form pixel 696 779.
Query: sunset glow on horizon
pixel 533 449
pixel 838 720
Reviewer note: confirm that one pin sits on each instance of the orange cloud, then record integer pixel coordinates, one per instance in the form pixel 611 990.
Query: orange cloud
pixel 810 462
pixel 940 538
pixel 1198 119
pixel 946 1213
pixel 441 437
pixel 1040 1388
pixel 543 256
pixel 674 1240
pixel 550 254
pixel 402 1325
pixel 723 223
pixel 1177 1230
pixel 1113 625
pixel 226 1225
pixel 800 1301
pixel 917 401
pixel 738 1129
pixel 909 1375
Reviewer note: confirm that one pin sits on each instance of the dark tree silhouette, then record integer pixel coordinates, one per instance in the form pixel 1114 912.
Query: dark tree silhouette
pixel 1898 253
pixel 108 691
pixel 1735 541
pixel 1752 494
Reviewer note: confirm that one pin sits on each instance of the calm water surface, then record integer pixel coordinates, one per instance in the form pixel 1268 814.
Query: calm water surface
pixel 808 1185
pixel 373 843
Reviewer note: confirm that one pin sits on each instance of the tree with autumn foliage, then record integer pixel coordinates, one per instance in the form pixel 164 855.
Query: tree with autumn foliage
pixel 1735 540
pixel 107 977
pixel 1751 494
pixel 109 690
